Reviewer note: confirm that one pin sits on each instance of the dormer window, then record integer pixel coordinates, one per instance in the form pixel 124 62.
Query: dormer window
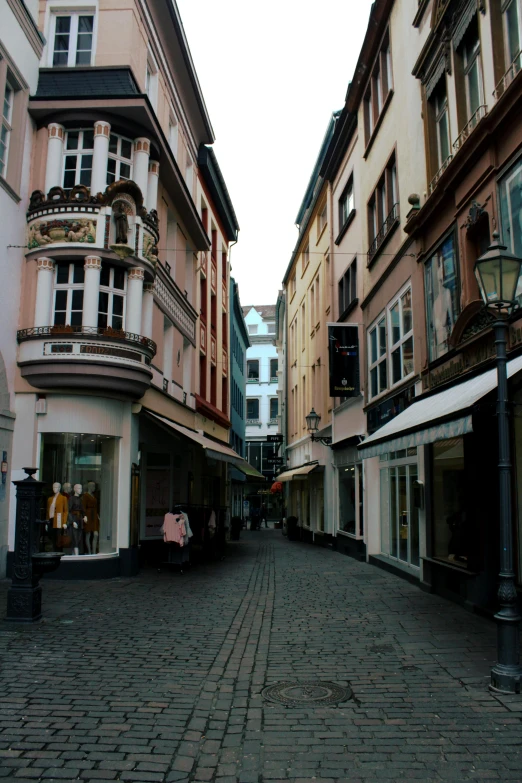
pixel 72 39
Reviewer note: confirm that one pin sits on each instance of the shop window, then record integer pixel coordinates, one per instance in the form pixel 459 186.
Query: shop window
pixel 347 500
pixel 77 167
pixel 346 204
pixel 68 294
pixel 512 17
pixel 253 409
pixel 253 370
pixel 119 164
pixel 72 39
pixel 442 297
pixel 80 475
pixel 399 513
pixel 274 407
pixel 451 532
pixel 347 288
pixel 111 300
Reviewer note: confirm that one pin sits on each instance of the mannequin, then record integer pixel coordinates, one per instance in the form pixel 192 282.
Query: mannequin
pixel 67 489
pixel 57 509
pixel 92 524
pixel 77 518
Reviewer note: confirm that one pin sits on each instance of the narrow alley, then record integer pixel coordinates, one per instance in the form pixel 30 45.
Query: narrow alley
pixel 159 677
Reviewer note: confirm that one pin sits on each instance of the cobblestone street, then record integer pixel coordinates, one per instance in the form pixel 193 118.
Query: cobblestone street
pixel 159 678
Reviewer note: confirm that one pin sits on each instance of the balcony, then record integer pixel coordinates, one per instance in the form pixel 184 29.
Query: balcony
pixel 86 358
pixel 253 423
pixel 440 172
pixel 385 230
pixel 66 220
pixel 470 127
pixel 509 76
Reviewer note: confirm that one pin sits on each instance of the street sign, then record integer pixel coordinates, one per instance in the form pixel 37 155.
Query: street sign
pixel 274 460
pixel 277 438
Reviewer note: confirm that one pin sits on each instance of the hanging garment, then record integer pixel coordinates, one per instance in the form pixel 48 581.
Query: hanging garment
pixel 57 508
pixel 189 532
pixel 90 505
pixel 173 529
pixel 212 520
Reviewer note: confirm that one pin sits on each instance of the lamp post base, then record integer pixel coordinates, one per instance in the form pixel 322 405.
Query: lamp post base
pixel 505 679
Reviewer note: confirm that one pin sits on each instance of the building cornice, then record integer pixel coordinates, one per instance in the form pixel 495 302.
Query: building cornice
pixel 213 178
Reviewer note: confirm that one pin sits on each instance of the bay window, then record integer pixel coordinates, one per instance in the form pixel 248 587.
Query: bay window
pixel 111 302
pixel 77 168
pixel 72 39
pixel 68 294
pixel 119 165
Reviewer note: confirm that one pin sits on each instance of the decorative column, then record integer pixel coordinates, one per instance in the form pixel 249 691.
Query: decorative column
pixel 44 291
pixel 91 290
pixel 53 171
pixel 134 300
pixel 140 172
pixel 100 157
pixel 152 189
pixel 148 309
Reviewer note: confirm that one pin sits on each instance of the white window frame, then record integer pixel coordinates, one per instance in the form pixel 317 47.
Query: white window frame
pixel 151 79
pixel 118 157
pixel 505 5
pixel 58 8
pixel 69 287
pixel 381 357
pixel 398 344
pixel 6 126
pixel 254 380
pixel 253 418
pixel 270 401
pixel 468 65
pixel 112 291
pixel 173 137
pixel 346 203
pixel 79 153
pixel 441 108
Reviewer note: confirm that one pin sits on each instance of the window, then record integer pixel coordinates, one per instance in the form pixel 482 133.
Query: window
pixel 252 328
pixel 151 79
pixel 399 512
pixel 312 305
pixel 111 300
pixel 510 187
pixel 401 338
pixel 305 257
pixel 5 134
pixel 253 410
pixel 346 204
pixel 303 326
pixel 383 208
pixel 270 325
pixel 451 523
pixel 390 346
pixel 377 358
pixel 512 16
pixel 77 169
pixel 347 500
pixel 274 407
pixel 472 69
pixel 348 288
pixel 68 294
pixel 274 364
pixel 378 88
pixel 119 165
pixel 72 37
pixel 173 136
pixel 439 103
pixel 322 219
pixel 442 297
pixel 292 286
pixel 253 370
pixel 317 301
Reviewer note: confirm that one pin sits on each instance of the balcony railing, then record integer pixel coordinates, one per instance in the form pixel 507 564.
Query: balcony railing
pixel 252 380
pixel 440 172
pixel 508 77
pixel 470 127
pixel 389 223
pixel 62 332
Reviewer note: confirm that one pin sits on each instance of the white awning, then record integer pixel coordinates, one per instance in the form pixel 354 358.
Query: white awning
pixel 288 475
pixel 435 417
pixel 218 451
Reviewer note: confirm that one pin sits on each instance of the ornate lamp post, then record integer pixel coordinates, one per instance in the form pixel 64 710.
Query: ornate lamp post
pixel 498 273
pixel 312 425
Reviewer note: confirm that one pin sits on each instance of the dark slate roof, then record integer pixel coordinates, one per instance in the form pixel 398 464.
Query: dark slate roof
pixel 85 83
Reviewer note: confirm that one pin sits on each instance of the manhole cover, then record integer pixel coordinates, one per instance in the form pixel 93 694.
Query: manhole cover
pixel 306 694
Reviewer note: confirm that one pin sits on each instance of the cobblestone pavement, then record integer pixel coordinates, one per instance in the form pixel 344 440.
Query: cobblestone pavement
pixel 158 678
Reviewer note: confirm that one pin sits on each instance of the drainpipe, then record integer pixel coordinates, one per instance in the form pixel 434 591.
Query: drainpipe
pixel 332 318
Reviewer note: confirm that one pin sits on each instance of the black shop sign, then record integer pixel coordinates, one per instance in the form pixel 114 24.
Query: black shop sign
pixel 343 351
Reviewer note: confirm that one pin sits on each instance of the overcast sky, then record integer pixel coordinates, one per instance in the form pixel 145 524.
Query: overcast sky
pixel 271 74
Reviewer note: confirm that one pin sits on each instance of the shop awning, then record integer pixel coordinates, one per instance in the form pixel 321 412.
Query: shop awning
pixel 437 417
pixel 288 475
pixel 212 448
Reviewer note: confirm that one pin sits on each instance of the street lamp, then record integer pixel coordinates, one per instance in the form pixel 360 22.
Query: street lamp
pixel 498 272
pixel 312 425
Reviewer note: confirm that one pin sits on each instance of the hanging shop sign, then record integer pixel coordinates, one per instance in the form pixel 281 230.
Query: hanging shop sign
pixel 276 438
pixel 343 351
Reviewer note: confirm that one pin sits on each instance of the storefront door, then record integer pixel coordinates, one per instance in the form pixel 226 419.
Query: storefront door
pixel 399 516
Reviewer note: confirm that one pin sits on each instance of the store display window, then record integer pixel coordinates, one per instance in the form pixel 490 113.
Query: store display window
pixel 347 500
pixel 79 503
pixel 450 516
pixel 399 507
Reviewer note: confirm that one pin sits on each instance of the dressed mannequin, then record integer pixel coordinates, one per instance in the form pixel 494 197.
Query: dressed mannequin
pixel 57 509
pixel 67 489
pixel 91 527
pixel 77 518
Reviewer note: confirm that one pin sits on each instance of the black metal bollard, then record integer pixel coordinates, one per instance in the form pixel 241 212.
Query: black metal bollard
pixel 24 597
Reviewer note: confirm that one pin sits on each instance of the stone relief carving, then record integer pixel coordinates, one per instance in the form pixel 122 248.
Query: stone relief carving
pixel 46 232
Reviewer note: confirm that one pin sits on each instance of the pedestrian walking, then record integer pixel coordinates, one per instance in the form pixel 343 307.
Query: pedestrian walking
pixel 263 515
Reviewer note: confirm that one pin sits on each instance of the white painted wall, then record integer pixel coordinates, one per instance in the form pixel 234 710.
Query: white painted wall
pixel 263 351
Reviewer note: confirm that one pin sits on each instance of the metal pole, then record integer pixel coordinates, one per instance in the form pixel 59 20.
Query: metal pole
pixel 506 674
